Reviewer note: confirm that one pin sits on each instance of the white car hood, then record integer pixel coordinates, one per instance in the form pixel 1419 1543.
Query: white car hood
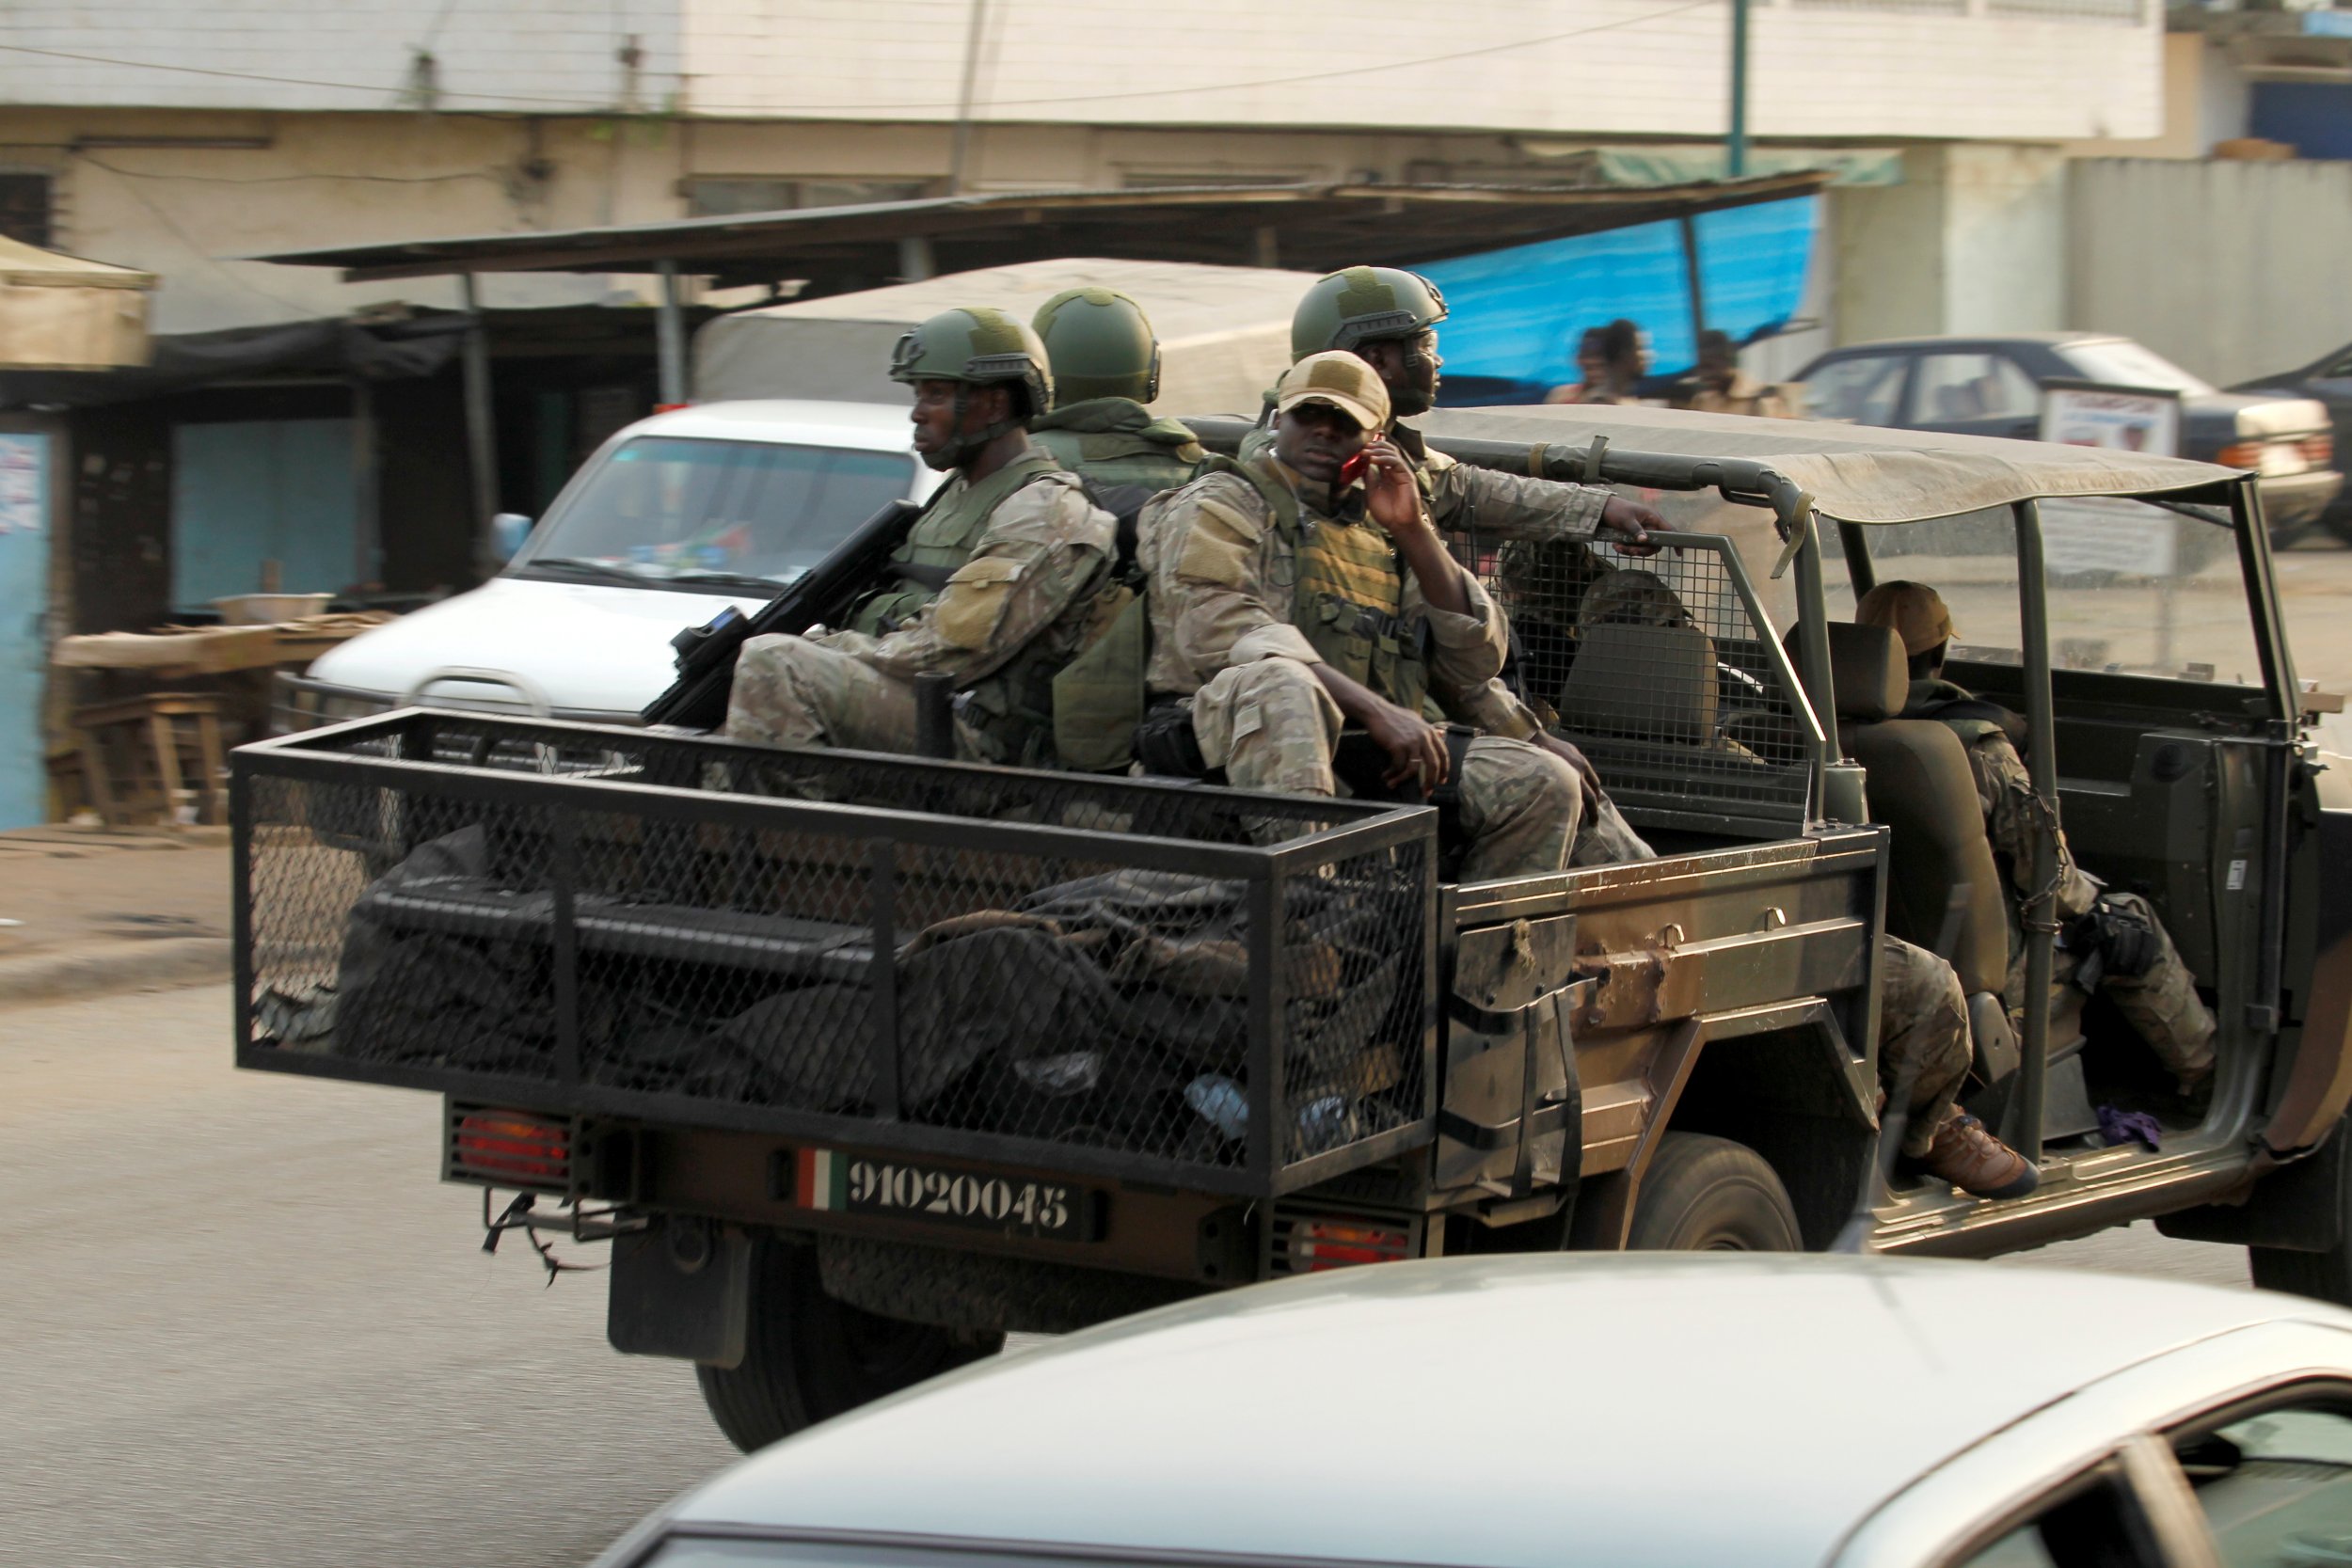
pixel 581 647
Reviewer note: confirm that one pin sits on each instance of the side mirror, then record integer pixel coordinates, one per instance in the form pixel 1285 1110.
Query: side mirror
pixel 508 530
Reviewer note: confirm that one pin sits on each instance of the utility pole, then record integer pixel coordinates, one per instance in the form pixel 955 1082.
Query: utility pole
pixel 1736 145
pixel 956 159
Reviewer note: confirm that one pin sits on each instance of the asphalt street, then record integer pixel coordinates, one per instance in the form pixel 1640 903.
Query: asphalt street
pixel 246 1324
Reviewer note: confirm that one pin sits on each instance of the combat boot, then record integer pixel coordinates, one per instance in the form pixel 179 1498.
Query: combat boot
pixel 1976 1162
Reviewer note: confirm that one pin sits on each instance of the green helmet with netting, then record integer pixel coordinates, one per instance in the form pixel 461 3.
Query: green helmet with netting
pixel 1355 305
pixel 1102 346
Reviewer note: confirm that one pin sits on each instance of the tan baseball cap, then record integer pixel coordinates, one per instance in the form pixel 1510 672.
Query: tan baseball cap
pixel 1912 611
pixel 1340 379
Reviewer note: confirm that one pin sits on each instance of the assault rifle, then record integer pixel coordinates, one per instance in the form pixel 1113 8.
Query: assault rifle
pixel 706 653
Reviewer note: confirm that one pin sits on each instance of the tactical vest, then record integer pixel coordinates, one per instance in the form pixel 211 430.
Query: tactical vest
pixel 1122 458
pixel 1350 596
pixel 941 541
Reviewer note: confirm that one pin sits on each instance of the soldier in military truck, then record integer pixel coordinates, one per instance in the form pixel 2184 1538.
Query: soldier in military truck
pixel 994 586
pixel 1388 317
pixel 1286 603
pixel 1106 367
pixel 2109 942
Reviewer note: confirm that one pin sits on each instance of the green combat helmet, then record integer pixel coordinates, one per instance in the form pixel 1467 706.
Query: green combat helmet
pixel 1351 308
pixel 1102 346
pixel 975 347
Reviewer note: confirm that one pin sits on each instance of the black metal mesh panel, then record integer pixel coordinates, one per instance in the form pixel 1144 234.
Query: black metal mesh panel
pixel 1658 669
pixel 1351 1003
pixel 839 936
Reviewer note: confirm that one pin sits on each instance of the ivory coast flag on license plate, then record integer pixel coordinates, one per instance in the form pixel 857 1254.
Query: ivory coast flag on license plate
pixel 821 1180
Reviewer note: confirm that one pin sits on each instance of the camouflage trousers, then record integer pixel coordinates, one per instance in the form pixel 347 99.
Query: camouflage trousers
pixel 1271 725
pixel 789 691
pixel 2161 1005
pixel 1924 1048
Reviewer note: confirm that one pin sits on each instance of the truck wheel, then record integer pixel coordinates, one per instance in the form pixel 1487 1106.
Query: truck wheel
pixel 808 1357
pixel 1710 1195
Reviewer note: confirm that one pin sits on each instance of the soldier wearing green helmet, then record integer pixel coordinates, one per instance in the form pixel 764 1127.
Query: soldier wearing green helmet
pixel 1388 317
pixel 1106 367
pixel 995 585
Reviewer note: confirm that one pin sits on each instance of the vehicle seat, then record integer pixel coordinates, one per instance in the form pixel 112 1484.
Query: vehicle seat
pixel 1644 683
pixel 1940 871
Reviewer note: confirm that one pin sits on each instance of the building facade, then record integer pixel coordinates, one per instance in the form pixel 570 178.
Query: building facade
pixel 178 138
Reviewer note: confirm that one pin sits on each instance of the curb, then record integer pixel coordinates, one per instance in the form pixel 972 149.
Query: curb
pixel 114 966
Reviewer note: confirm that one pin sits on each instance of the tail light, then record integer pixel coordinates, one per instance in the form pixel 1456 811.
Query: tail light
pixel 2240 455
pixel 2319 450
pixel 510 1148
pixel 1303 1241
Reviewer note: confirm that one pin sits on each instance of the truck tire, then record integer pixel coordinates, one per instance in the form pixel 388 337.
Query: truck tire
pixel 1710 1195
pixel 808 1357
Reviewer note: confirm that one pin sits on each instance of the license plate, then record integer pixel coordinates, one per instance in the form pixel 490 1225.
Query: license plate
pixel 831 1182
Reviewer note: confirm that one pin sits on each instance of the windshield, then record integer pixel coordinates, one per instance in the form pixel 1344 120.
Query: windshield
pixel 2120 362
pixel 665 508
pixel 2133 588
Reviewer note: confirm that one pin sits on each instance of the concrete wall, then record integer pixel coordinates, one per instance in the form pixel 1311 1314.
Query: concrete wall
pixel 2234 270
pixel 1972 241
pixel 2205 100
pixel 2004 239
pixel 1594 67
pixel 525 57
pixel 1589 66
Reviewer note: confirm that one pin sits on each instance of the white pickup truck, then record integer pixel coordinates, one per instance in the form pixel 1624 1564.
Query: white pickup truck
pixel 724 501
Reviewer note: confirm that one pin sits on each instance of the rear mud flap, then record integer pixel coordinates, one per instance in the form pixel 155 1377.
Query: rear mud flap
pixel 681 1287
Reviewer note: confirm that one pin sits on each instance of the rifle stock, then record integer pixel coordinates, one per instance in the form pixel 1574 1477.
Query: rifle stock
pixel 706 653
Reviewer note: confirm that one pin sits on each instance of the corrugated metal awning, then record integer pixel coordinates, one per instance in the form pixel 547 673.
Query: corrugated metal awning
pixel 1314 227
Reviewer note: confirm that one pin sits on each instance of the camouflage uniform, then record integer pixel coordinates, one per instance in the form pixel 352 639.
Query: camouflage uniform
pixel 1469 502
pixel 1117 441
pixel 1011 613
pixel 1225 567
pixel 1923 1038
pixel 2162 1005
pixel 1603 836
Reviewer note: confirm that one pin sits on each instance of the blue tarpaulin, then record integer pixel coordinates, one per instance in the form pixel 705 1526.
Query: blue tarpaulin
pixel 1517 314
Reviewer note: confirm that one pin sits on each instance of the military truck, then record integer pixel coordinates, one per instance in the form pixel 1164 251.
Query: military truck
pixel 861 1061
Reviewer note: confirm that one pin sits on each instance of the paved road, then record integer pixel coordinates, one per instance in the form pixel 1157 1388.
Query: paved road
pixel 244 1324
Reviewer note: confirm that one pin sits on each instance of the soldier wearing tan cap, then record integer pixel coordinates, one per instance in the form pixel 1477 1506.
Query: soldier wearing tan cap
pixel 2111 943
pixel 1288 604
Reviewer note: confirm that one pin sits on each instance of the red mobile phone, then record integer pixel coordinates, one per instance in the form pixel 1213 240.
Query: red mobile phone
pixel 1353 469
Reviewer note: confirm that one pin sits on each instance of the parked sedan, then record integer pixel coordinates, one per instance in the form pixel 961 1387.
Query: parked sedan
pixel 1993 386
pixel 1534 1412
pixel 2327 380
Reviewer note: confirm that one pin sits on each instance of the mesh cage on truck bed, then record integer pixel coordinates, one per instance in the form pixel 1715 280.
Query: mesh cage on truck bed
pixel 1666 671
pixel 1134 978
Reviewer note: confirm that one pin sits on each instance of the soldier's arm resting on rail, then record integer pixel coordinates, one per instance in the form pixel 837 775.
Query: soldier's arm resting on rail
pixel 1519 506
pixel 1045 545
